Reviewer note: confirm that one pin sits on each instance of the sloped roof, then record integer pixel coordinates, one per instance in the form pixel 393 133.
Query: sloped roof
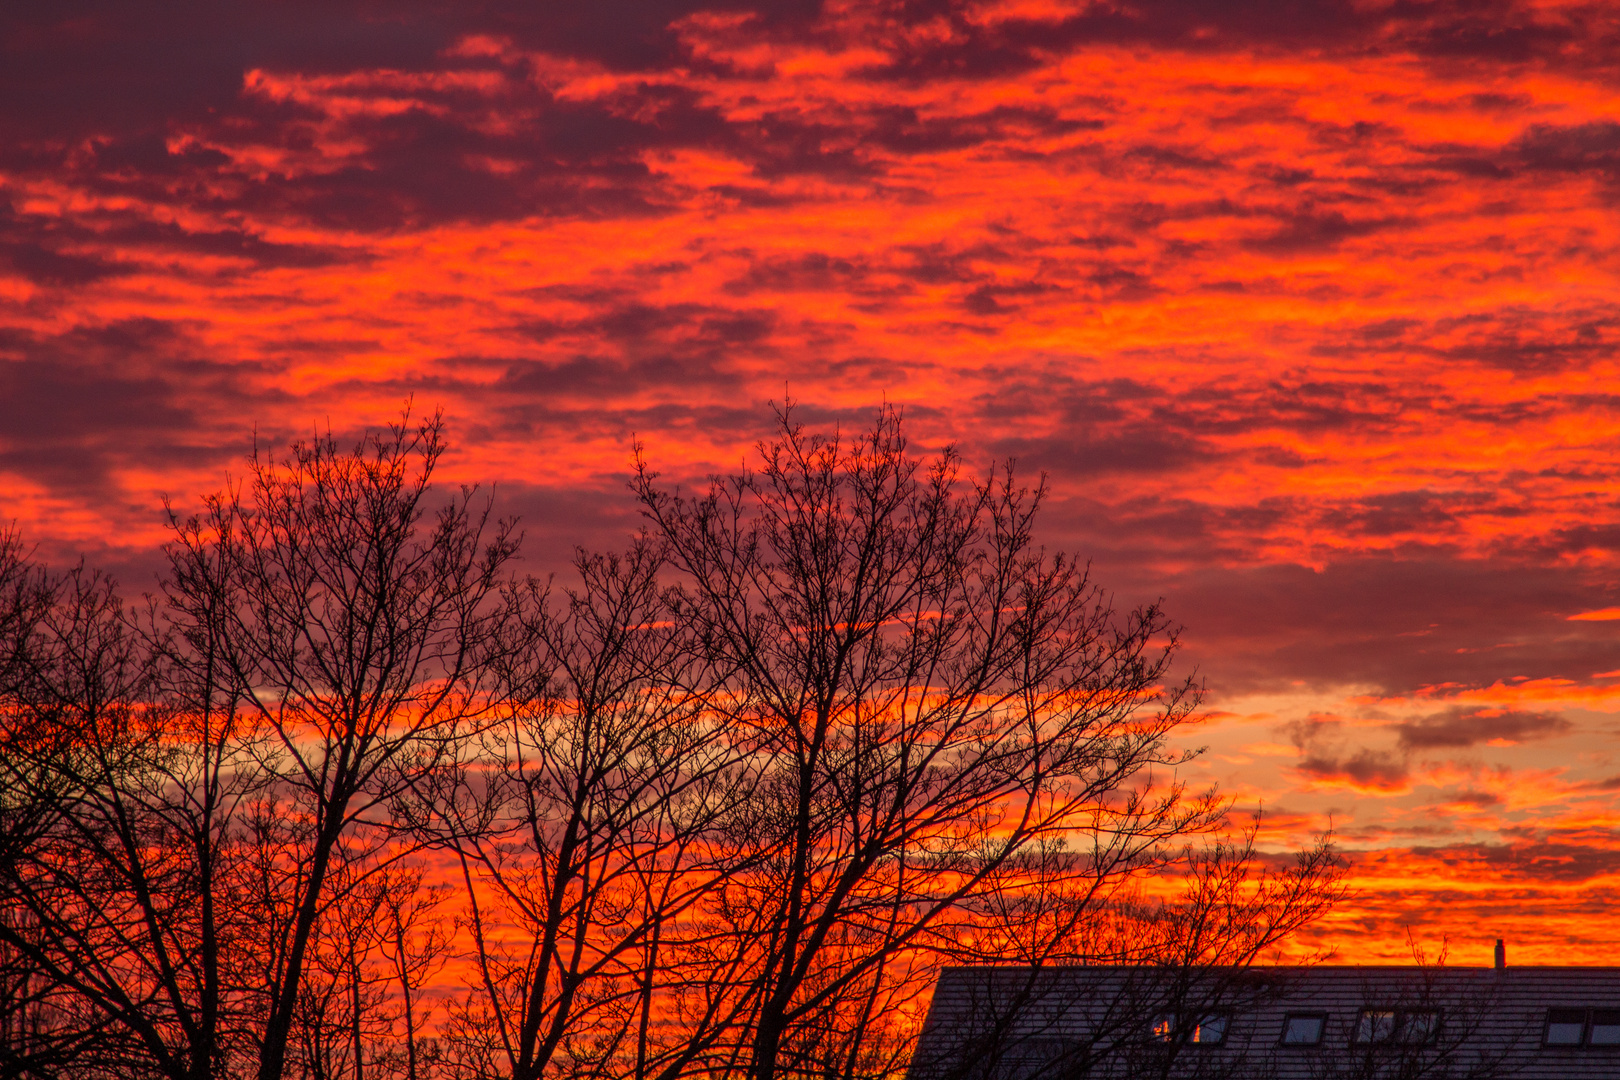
pixel 1019 1023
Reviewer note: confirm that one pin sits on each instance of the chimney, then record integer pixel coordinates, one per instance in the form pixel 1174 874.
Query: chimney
pixel 1501 955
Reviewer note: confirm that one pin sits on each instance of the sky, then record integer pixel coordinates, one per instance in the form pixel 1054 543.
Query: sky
pixel 1308 313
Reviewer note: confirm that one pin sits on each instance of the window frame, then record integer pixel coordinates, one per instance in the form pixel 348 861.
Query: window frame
pixel 1403 1034
pixel 1569 1012
pixel 1165 1031
pixel 1362 1019
pixel 1225 1022
pixel 1592 1017
pixel 1321 1031
pixel 1611 1019
pixel 1400 1025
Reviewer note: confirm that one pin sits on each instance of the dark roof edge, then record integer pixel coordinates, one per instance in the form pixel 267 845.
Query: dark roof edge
pixel 1290 968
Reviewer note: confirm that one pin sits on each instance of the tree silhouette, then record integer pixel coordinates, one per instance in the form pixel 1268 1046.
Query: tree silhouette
pixel 346 800
pixel 923 698
pixel 216 776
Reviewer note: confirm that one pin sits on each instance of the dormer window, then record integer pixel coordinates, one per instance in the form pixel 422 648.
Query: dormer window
pixel 1410 1027
pixel 1304 1029
pixel 1419 1026
pixel 1565 1027
pixel 1210 1031
pixel 1375 1026
pixel 1582 1027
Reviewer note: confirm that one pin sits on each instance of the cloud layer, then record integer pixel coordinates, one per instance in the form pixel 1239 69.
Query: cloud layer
pixel 1307 312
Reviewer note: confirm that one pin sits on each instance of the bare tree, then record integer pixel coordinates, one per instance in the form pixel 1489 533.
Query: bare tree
pixel 104 899
pixel 26 594
pixel 415 946
pixel 924 696
pixel 360 636
pixel 724 807
pixel 1216 904
pixel 585 832
pixel 215 777
pixel 1127 985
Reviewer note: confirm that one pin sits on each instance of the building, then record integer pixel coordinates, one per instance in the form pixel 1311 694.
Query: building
pixel 1272 1023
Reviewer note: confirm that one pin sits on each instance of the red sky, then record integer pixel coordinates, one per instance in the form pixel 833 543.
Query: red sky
pixel 1308 310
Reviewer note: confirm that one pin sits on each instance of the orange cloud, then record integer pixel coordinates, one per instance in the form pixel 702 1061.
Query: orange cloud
pixel 1607 614
pixel 1309 323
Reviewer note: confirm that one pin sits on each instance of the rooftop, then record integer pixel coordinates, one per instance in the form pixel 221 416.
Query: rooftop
pixel 1020 1023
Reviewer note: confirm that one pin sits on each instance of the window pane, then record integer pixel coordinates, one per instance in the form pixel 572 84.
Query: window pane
pixel 1376 1026
pixel 1303 1030
pixel 1565 1027
pixel 1605 1027
pixel 1212 1030
pixel 1564 1034
pixel 1421 1025
pixel 1164 1028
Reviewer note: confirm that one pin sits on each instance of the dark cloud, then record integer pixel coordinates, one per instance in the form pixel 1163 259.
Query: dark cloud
pixel 1097 428
pixel 589 377
pixel 138 392
pixel 1368 770
pixel 541 422
pixel 1325 757
pixel 1591 147
pixel 45 266
pixel 1460 727
pixel 1526 341
pixel 234 244
pixel 61 250
pixel 1082 454
pixel 1474 798
pixel 1092 427
pixel 1330 752
pixel 812 271
pixel 66 426
pixel 1311 229
pixel 684 332
pixel 1175 157
pixel 1474 166
pixel 1288 403
pixel 1002 297
pixel 900 129
pixel 860 144
pixel 1445 31
pixel 84 67
pixel 556 521
pixel 154 104
pixel 512 152
pixel 1215 407
pixel 633 35
pixel 1426 513
pixel 1541 150
pixel 1545 859
pixel 1568 542
pixel 940 263
pixel 37 248
pixel 783 144
pixel 103 96
pixel 1395 623
pixel 1492 32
